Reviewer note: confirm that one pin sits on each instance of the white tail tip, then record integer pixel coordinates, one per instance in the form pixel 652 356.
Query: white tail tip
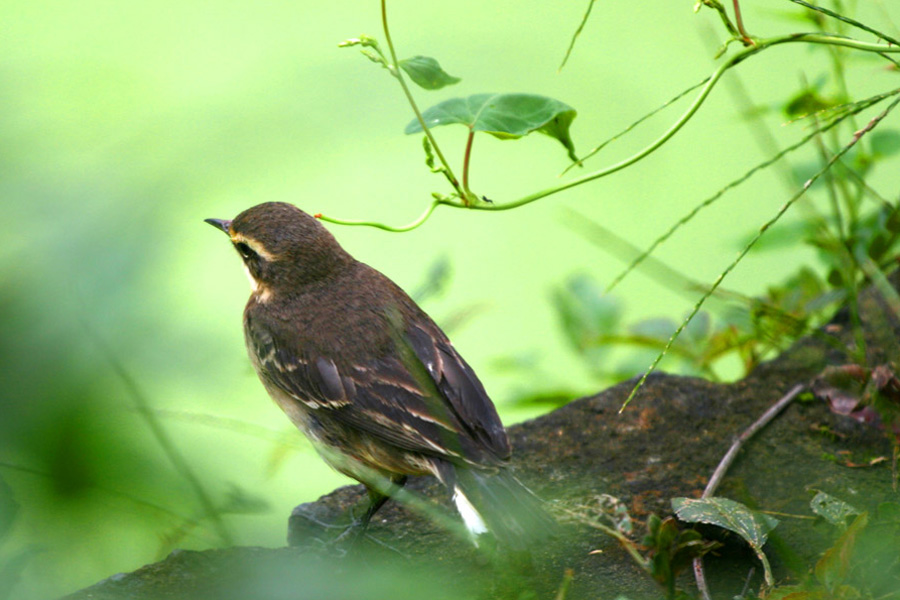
pixel 474 522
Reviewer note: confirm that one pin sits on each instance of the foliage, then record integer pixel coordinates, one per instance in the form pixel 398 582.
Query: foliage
pixel 504 116
pixel 671 551
pixel 832 509
pixel 853 227
pixel 664 550
pixel 856 239
pixel 753 527
pixel 862 563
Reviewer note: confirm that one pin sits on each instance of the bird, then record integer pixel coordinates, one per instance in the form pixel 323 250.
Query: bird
pixel 371 380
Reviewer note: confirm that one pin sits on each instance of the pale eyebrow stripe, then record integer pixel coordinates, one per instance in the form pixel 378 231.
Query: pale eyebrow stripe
pixel 239 238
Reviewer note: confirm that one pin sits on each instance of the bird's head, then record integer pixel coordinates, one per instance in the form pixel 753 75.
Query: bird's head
pixel 282 247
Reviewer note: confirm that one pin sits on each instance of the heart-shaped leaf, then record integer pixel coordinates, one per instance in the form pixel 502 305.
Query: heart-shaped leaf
pixel 427 73
pixel 506 116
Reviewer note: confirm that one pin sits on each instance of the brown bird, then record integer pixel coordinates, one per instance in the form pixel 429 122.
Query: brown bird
pixel 368 376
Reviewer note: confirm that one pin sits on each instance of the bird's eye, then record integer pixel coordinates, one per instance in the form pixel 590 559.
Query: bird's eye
pixel 245 250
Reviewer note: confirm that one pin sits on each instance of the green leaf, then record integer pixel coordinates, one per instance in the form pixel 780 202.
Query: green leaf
pixel 832 509
pixel 505 116
pixel 754 527
pixel 427 73
pixel 727 514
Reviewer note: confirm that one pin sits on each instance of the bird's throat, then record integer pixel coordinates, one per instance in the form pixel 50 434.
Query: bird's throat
pixel 260 292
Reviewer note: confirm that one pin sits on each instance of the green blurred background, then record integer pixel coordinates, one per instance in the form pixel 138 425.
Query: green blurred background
pixel 124 125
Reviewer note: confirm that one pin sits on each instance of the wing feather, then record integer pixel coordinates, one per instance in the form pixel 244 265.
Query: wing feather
pixel 445 412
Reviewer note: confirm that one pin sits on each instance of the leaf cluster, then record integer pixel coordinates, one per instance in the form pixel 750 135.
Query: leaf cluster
pixel 864 561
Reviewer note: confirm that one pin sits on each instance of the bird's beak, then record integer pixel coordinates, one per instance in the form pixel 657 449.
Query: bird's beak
pixel 223 224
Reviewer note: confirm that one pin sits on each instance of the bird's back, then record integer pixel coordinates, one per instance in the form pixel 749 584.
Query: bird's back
pixel 387 369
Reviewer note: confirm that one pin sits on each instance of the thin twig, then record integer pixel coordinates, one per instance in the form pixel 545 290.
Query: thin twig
pixel 762 230
pixel 740 24
pixel 725 463
pixel 584 19
pixel 623 540
pixel 733 184
pixel 701 579
pixel 666 104
pixel 810 38
pixel 847 20
pixel 764 420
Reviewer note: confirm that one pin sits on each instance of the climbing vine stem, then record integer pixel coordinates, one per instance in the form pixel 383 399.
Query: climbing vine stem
pixel 462 200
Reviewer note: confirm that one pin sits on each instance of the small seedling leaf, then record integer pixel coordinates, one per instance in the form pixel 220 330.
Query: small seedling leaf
pixel 833 510
pixel 505 116
pixel 427 73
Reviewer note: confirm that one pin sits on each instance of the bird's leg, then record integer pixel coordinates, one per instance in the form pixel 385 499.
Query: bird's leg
pixel 376 501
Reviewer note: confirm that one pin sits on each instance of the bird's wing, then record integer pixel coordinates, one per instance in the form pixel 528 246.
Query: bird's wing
pixel 458 386
pixel 423 397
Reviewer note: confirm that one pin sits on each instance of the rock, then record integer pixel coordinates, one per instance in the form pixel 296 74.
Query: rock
pixel 664 445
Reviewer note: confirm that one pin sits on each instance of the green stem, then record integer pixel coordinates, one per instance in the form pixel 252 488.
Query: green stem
pixel 626 543
pixel 396 71
pixel 631 160
pixel 810 38
pixel 830 185
pixel 434 204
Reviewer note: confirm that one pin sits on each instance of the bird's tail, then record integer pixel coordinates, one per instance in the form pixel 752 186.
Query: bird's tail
pixel 500 504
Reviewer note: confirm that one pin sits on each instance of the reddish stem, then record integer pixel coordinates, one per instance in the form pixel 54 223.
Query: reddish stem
pixel 465 175
pixel 740 23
